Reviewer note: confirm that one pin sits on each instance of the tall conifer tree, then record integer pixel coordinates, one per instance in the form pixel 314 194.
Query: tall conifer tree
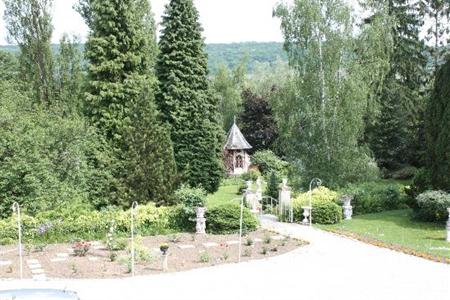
pixel 121 49
pixel 395 138
pixel 185 99
pixel 438 130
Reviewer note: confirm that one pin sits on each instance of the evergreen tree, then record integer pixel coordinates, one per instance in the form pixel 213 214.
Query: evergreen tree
pixel 184 98
pixel 438 130
pixel 29 24
pixel 257 122
pixel 438 12
pixel 273 185
pixel 121 50
pixel 395 136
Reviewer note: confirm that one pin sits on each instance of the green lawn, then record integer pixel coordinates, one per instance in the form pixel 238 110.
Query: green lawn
pixel 397 228
pixel 226 193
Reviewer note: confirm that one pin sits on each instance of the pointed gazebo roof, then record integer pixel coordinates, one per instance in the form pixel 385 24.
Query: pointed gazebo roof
pixel 235 140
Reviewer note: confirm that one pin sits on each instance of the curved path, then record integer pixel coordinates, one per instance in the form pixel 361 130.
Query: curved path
pixel 331 267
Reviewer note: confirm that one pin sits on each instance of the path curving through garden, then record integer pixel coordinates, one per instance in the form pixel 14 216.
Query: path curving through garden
pixel 331 267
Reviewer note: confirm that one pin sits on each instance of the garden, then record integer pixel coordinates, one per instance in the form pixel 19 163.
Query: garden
pixel 111 258
pixel 113 158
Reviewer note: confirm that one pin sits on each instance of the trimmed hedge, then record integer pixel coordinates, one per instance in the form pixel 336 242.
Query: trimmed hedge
pixel 324 207
pixel 374 197
pixel 432 206
pixel 225 218
pixel 74 223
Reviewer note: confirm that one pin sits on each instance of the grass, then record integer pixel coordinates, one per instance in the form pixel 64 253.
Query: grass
pixel 228 192
pixel 397 228
pixel 225 194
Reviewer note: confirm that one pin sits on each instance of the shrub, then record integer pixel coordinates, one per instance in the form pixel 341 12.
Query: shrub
pixel 374 197
pixel 241 188
pixel 407 172
pixel 204 257
pixel 273 185
pixel 225 218
pixel 432 206
pixel 322 212
pixel 189 198
pixel 268 162
pixel 91 225
pixel 251 175
pixel 421 183
pixel 319 194
pixel 324 207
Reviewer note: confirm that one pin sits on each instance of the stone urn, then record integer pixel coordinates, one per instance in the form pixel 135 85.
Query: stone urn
pixel 347 207
pixel 200 227
pixel 306 215
pixel 346 200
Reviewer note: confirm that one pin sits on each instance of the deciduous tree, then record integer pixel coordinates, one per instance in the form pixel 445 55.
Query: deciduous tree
pixel 29 24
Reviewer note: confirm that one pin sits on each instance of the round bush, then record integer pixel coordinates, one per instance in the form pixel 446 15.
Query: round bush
pixel 322 212
pixel 324 207
pixel 432 206
pixel 225 218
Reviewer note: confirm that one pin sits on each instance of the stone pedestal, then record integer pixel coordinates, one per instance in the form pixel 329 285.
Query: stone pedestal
pixel 249 184
pixel 348 212
pixel 448 225
pixel 306 215
pixel 164 266
pixel 251 198
pixel 347 208
pixel 285 201
pixel 201 220
pixel 258 193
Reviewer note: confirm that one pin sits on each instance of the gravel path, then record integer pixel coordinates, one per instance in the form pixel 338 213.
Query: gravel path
pixel 331 267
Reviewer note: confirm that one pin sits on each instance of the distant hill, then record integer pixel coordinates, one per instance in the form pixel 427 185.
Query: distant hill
pixel 229 55
pixel 232 54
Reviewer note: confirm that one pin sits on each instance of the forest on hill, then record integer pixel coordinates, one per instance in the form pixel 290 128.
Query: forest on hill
pixel 229 55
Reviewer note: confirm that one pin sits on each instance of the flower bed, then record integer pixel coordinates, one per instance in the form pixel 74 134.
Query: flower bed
pixel 184 251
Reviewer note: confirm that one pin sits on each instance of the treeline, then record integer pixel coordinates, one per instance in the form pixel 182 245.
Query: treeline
pixel 351 107
pixel 130 118
pixel 229 55
pixel 123 120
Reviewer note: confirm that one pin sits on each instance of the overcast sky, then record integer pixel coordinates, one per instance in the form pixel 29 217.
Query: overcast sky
pixel 224 21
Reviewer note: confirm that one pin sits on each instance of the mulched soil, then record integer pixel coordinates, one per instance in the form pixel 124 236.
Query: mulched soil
pixel 97 262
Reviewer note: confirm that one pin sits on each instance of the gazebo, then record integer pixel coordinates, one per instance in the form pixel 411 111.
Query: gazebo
pixel 237 159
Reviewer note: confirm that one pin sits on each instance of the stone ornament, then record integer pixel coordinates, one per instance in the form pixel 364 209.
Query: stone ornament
pixel 249 184
pixel 448 225
pixel 201 220
pixel 347 207
pixel 306 215
pixel 284 198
